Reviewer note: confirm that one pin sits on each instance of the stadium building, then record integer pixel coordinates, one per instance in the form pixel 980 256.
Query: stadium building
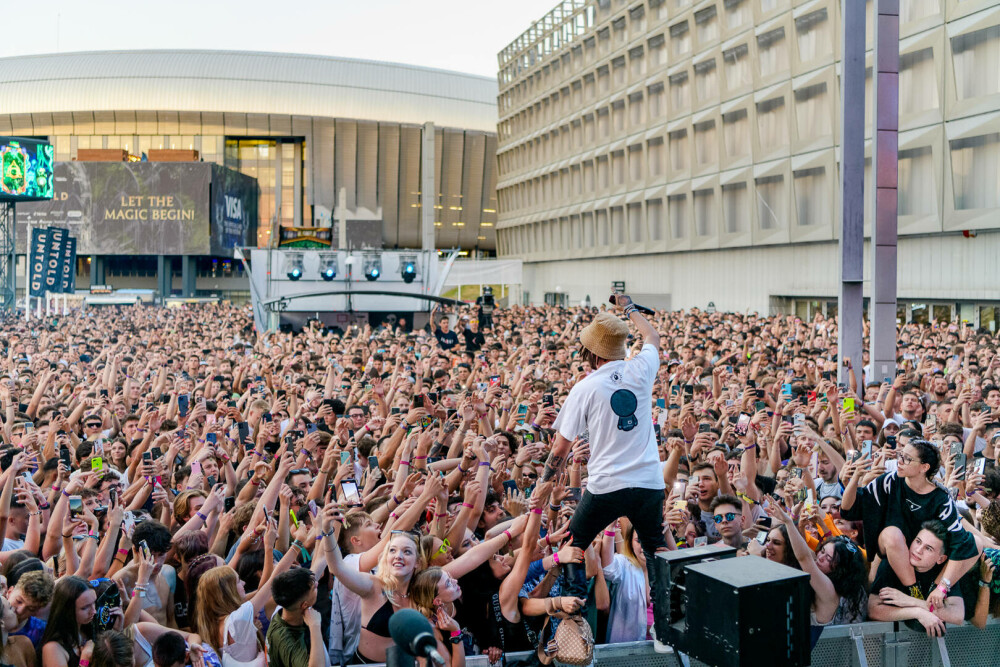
pixel 699 141
pixel 327 139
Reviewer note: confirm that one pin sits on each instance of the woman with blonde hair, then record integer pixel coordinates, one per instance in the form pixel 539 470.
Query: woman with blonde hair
pixel 382 593
pixel 628 619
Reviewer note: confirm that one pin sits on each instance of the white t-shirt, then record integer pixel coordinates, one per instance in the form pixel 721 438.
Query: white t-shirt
pixel 614 403
pixel 345 617
pixel 627 617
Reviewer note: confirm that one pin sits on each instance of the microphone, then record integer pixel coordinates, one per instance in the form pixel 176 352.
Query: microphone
pixel 413 633
pixel 641 309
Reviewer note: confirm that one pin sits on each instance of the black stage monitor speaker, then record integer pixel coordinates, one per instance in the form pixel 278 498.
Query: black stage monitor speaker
pixel 670 580
pixel 745 612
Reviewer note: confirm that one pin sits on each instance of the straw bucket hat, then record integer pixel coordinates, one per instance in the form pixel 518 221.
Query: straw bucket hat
pixel 605 336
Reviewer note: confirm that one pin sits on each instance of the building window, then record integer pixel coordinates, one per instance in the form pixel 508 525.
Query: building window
pixel 736 133
pixel 772 124
pixel 772 52
pixel 680 39
pixel 918 88
pixel 658 50
pixel 618 167
pixel 812 197
pixel 654 157
pixel 737 63
pixel 706 81
pixel 635 108
pixel 635 162
pixel 635 223
pixel 618 224
pixel 654 219
pixel 680 92
pixel 812 111
pixel 707 24
pixel 770 201
pixel 637 62
pixel 704 212
pixel 677 209
pixel 737 13
pixel 813 33
pixel 975 166
pixel 976 55
pixel 603 172
pixel 917 190
pixel 706 150
pixel 678 149
pixel 656 101
pixel 735 209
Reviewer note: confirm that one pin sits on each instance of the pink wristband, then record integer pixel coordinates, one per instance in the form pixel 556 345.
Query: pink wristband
pixel 419 458
pixel 509 538
pixel 537 510
pixel 609 533
pixel 469 506
pixel 555 557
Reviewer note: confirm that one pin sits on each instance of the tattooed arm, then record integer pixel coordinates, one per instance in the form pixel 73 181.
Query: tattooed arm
pixel 557 457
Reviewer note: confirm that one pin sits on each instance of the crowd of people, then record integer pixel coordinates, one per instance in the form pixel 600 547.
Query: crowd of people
pixel 178 489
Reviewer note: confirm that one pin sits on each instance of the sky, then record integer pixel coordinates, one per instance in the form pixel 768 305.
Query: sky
pixel 461 35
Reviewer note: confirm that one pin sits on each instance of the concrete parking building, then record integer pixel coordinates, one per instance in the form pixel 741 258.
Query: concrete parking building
pixel 326 138
pixel 700 141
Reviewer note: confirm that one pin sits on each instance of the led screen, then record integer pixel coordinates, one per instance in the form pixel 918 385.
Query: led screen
pixel 25 169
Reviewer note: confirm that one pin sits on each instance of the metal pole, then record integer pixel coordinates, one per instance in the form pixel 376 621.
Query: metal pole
pixel 850 307
pixel 428 187
pixel 885 89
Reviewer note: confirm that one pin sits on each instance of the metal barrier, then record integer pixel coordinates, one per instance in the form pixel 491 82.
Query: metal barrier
pixel 859 645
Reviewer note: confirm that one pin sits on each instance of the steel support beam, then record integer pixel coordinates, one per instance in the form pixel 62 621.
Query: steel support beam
pixel 850 308
pixel 428 187
pixel 885 130
pixel 8 260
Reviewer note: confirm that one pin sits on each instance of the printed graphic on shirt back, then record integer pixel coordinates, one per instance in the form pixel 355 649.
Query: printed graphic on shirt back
pixel 624 403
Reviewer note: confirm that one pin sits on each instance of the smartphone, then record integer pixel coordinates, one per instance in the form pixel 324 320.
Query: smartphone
pixel 313 508
pixel 762 537
pixel 494 380
pixel 758 406
pixel 522 409
pixel 798 419
pixel 97 463
pixel 510 485
pixel 575 494
pixel 195 468
pixel 104 393
pixel 688 391
pixel 890 442
pixel 742 424
pixel 156 452
pixel 311 428
pixel 243 429
pixel 75 505
pixel 28 427
pixel 345 458
pixel 266 418
pixel 212 438
pixel 350 490
pixel 183 402
pixel 849 405
pixel 661 403
pixel 144 547
pixel 866 448
pixel 979 466
pixel 548 400
pixel 230 503
pixel 704 428
pixel 295 519
pixel 64 456
pixel 853 455
pixel 701 541
pixel 418 401
pixel 373 462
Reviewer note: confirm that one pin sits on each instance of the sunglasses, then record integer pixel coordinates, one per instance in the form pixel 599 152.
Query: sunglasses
pixel 443 549
pixel 300 471
pixel 728 516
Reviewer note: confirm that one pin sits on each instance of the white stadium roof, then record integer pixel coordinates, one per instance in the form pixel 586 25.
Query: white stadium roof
pixel 247 82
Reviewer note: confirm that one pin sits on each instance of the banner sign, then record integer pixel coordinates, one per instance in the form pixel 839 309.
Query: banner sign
pixel 67 281
pixel 54 259
pixel 36 261
pixel 234 211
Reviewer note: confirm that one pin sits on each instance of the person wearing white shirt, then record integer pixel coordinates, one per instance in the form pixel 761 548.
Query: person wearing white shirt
pixel 614 405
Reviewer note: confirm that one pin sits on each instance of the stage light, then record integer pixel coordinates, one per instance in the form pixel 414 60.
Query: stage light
pixel 328 266
pixel 373 268
pixel 293 265
pixel 408 268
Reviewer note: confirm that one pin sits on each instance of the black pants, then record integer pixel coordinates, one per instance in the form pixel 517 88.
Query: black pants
pixel 642 507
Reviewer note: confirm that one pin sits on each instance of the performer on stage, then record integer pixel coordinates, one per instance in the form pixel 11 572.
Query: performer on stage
pixel 614 404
